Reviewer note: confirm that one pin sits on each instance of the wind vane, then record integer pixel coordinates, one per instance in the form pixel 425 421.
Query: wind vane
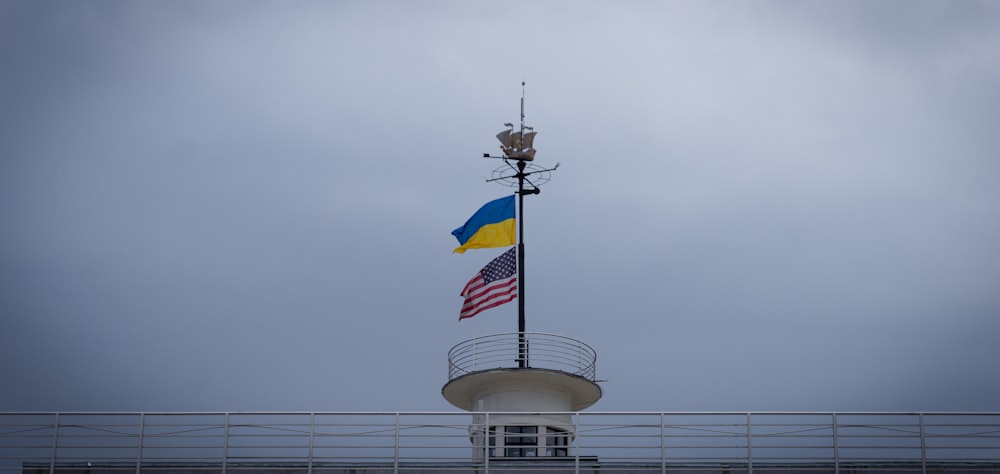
pixel 518 147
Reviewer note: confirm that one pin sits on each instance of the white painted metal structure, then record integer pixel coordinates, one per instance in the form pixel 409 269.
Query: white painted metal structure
pixel 529 398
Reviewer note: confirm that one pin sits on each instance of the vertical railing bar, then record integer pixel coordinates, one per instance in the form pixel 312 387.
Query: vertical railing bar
pixel 395 452
pixel 576 443
pixel 923 445
pixel 580 360
pixel 592 367
pixel 749 446
pixel 312 436
pixel 142 429
pixel 836 445
pixel 55 446
pixel 663 445
pixel 225 443
pixel 486 443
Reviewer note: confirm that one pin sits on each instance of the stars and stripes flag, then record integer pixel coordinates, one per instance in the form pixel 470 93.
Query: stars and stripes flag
pixel 493 286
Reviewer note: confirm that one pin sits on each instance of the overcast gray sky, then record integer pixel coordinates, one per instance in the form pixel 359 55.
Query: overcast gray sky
pixel 248 205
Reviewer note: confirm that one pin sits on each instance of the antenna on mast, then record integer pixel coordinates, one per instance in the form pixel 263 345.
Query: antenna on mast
pixel 522 108
pixel 519 147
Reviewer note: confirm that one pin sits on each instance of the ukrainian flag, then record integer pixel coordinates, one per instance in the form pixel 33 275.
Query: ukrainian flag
pixel 491 226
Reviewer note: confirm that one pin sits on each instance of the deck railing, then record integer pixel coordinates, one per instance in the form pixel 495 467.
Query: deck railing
pixel 438 442
pixel 544 351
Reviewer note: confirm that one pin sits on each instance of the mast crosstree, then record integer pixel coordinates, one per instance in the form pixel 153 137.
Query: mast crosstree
pixel 518 150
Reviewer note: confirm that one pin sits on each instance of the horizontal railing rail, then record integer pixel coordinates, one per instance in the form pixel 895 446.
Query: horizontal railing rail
pixel 218 442
pixel 544 351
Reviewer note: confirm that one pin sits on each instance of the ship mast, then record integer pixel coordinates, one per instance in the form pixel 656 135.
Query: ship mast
pixel 518 147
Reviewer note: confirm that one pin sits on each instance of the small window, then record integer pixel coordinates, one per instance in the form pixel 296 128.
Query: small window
pixel 492 436
pixel 517 441
pixel 521 452
pixel 556 442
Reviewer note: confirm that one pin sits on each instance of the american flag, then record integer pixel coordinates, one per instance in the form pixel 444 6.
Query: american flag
pixel 494 285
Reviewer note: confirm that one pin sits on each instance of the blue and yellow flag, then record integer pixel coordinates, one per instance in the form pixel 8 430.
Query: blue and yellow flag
pixel 491 226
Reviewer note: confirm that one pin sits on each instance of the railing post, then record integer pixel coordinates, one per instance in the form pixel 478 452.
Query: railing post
pixel 225 443
pixel 395 450
pixel 576 442
pixel 663 445
pixel 580 361
pixel 836 445
pixel 312 436
pixel 55 446
pixel 395 455
pixel 142 428
pixel 749 446
pixel 486 443
pixel 923 446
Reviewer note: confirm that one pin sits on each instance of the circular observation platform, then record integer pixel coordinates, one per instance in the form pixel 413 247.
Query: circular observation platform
pixel 517 372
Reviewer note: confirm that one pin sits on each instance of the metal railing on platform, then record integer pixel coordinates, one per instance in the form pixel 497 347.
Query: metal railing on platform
pixel 96 443
pixel 544 351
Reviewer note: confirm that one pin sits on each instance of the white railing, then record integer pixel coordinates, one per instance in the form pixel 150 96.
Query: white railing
pixel 543 351
pixel 437 442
